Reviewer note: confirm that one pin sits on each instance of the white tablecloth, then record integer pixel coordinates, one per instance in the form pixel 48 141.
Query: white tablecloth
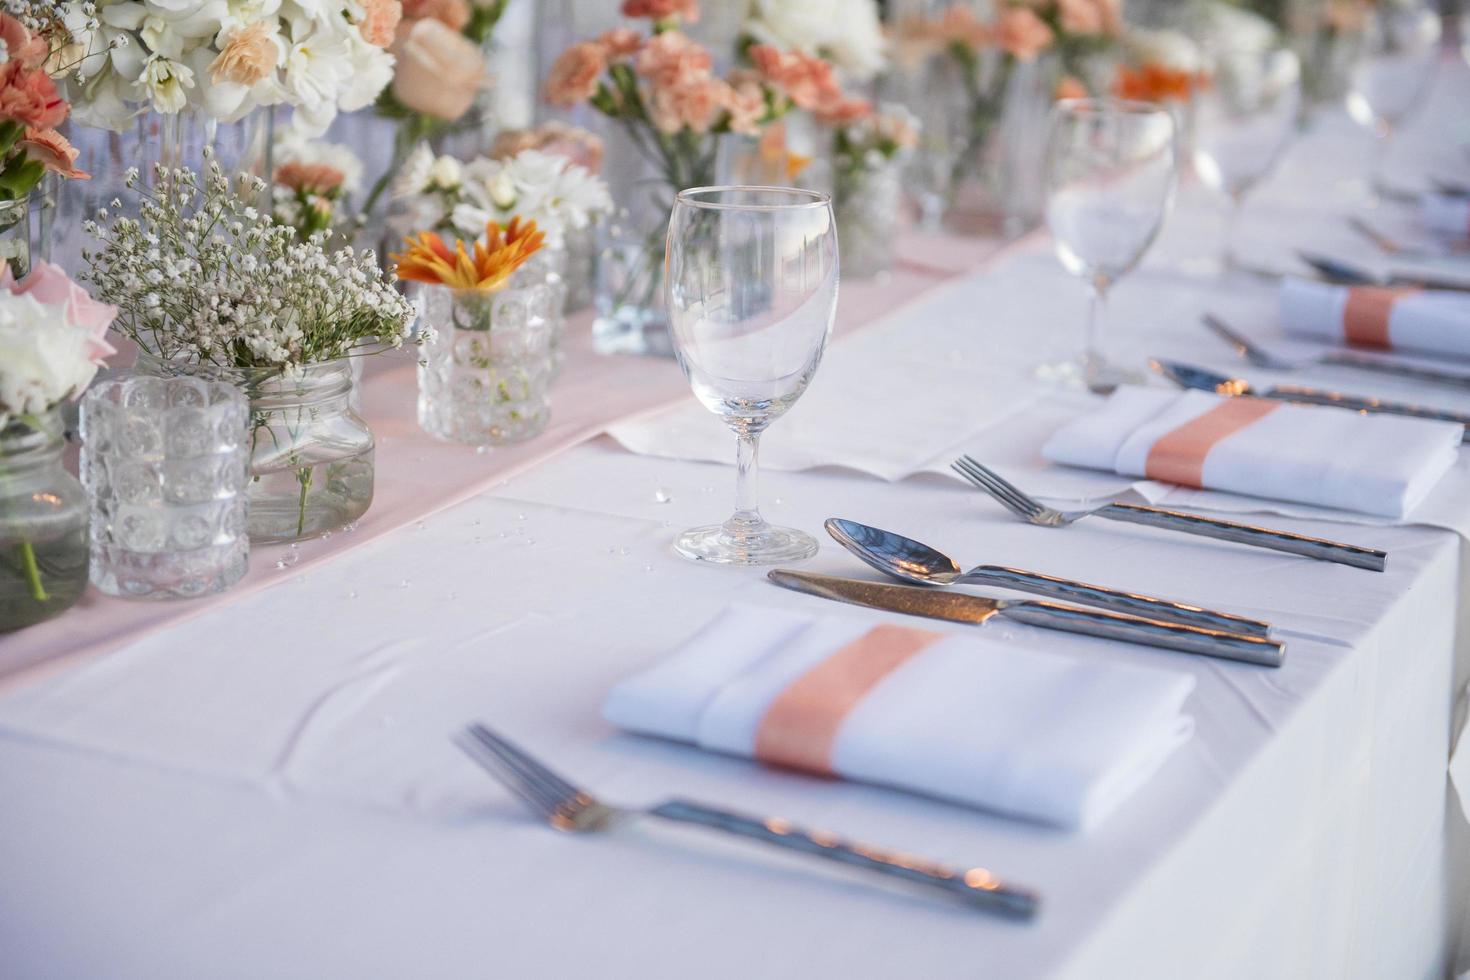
pixel 269 789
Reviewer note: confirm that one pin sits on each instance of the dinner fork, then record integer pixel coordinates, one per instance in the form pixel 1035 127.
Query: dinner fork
pixel 1033 511
pixel 570 808
pixel 1263 358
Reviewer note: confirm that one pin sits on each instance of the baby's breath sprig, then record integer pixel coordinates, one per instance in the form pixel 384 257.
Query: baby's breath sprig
pixel 202 274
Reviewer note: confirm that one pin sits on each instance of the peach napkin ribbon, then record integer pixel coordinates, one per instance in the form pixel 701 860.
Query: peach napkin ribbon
pixel 800 727
pixel 1179 456
pixel 1366 314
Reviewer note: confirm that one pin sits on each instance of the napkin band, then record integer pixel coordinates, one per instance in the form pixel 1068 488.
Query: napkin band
pixel 800 727
pixel 1179 455
pixel 1366 314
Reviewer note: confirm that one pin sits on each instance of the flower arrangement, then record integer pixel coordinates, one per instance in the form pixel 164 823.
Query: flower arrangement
pixel 31 111
pixel 871 138
pixel 441 63
pixel 555 137
pixel 868 145
pixel 445 196
pixel 485 267
pixel 53 338
pixel 312 184
pixel 1159 66
pixel 846 33
pixel 202 275
pixel 221 59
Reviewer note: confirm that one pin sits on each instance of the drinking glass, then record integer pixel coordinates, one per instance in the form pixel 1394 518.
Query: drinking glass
pixel 1398 54
pixel 1110 174
pixel 1244 119
pixel 751 282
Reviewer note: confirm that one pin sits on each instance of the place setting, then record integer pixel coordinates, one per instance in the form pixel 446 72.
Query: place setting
pixel 978 476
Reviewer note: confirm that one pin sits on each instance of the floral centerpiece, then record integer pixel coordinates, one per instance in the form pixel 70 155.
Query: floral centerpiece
pixel 313 184
pixel 1161 66
pixel 31 113
pixel 53 337
pixel 661 91
pixel 869 146
pixel 983 61
pixel 441 72
pixel 220 59
pixel 207 283
pixel 487 367
pixel 846 33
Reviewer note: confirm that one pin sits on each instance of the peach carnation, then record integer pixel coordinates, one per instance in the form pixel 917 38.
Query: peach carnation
pixel 310 178
pixel 671 60
pixel 843 111
pixel 687 10
pixel 696 104
pixel 21 45
pixel 1022 34
pixel 746 103
pixel 574 75
pixel 807 80
pixel 453 14
pixel 380 21
pixel 30 97
pixel 960 25
pixel 620 42
pixel 54 152
pixel 249 55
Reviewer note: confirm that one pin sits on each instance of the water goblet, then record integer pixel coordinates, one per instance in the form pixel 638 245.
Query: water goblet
pixel 751 280
pixel 1244 119
pixel 1110 168
pixel 1399 49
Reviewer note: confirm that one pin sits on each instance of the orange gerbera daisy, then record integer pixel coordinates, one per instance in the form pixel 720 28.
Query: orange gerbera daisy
pixel 487 268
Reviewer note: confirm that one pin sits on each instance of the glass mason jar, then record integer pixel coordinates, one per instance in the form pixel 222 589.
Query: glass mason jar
pixel 43 524
pixel 15 236
pixel 581 272
pixel 311 454
pixel 549 267
pixel 485 373
pixel 867 199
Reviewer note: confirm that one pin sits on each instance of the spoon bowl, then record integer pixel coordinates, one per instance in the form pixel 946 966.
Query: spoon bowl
pixel 893 554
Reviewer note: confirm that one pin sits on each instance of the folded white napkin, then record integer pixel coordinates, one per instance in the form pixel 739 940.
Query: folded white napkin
pixel 1435 322
pixel 1446 214
pixel 1375 464
pixel 965 718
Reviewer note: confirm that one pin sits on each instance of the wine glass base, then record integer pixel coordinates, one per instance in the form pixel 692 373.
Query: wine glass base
pixel 750 544
pixel 1080 374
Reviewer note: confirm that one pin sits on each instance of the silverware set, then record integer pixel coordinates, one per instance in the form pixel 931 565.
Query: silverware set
pixel 1343 273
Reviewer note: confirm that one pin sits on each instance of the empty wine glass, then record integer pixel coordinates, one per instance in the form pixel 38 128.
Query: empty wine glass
pixel 1399 49
pixel 1244 119
pixel 1110 174
pixel 751 278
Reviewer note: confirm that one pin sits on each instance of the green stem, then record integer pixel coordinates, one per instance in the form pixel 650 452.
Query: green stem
pixel 303 476
pixel 32 572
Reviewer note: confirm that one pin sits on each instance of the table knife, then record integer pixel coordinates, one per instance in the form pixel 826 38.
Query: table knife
pixel 955 607
pixel 1203 379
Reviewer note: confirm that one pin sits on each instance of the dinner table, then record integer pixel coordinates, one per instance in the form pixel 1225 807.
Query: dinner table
pixel 265 784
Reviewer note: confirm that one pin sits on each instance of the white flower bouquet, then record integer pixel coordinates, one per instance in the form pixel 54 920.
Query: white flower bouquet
pixel 222 58
pixel 441 194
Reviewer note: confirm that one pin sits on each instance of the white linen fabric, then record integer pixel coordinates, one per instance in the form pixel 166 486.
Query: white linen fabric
pixel 970 719
pixel 1447 215
pixel 1432 321
pixel 1376 464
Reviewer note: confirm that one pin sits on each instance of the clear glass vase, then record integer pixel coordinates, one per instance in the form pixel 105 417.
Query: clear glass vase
pixel 311 454
pixel 16 236
pixel 869 195
pixel 549 267
pixel 486 370
pixel 166 464
pixel 43 524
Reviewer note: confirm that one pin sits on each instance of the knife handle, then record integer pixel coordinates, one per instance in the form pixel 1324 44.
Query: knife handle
pixel 1149 632
pixel 1372 406
pixel 1414 372
pixel 1112 599
pixel 1259 537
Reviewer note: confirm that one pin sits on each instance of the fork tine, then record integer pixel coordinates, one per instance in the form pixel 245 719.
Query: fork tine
pixel 492 752
pixel 999 488
pixel 1020 496
pixel 984 486
pixel 539 769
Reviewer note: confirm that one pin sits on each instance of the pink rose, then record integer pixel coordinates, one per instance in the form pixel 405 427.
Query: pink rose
pixel 574 76
pixel 50 286
pixel 439 71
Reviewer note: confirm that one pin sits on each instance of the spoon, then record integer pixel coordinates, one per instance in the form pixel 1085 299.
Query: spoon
pixel 912 561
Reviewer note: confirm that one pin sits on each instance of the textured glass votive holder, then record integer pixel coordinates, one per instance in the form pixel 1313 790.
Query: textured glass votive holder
pixel 166 464
pixel 486 371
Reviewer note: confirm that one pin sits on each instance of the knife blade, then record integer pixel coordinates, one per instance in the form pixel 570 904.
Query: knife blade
pixel 973 610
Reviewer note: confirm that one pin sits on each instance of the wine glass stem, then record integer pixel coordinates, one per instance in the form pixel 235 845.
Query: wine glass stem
pixel 747 483
pixel 1096 314
pixel 1232 221
pixel 1377 180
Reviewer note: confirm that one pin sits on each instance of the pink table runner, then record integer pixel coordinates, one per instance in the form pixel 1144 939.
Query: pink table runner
pixel 418 476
